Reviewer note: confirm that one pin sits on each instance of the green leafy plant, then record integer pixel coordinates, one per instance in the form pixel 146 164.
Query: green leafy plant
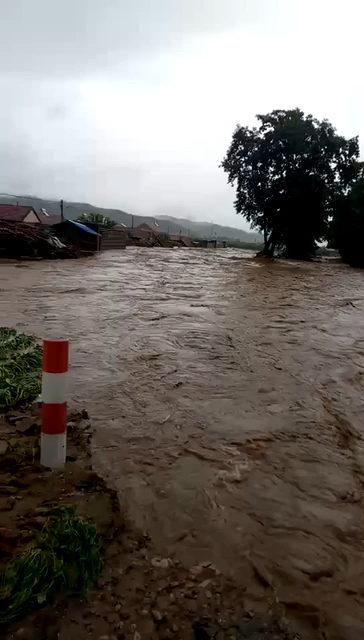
pixel 20 367
pixel 97 218
pixel 65 556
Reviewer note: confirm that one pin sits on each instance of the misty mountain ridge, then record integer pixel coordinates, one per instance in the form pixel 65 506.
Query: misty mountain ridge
pixel 211 229
pixel 168 224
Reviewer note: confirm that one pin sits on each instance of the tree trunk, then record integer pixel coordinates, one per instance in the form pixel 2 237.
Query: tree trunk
pixel 269 245
pixel 265 232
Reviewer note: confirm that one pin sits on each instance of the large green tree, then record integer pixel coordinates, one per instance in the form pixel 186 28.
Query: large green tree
pixel 97 218
pixel 288 173
pixel 347 227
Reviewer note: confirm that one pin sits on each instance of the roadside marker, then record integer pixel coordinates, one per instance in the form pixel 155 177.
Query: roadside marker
pixel 54 403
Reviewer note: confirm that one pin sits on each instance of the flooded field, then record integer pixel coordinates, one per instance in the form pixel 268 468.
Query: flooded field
pixel 227 397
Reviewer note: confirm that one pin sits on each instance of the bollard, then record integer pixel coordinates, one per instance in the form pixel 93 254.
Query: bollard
pixel 54 403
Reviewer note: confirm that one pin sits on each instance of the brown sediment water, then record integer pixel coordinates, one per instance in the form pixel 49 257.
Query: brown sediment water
pixel 227 398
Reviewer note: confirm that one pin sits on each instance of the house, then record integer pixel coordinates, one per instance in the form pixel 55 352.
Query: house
pixel 114 238
pixel 153 227
pixel 110 237
pixel 145 230
pixel 15 213
pixel 212 243
pixel 49 219
pixel 183 241
pixel 81 237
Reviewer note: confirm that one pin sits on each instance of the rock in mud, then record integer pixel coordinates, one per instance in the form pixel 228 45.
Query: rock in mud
pixel 3 447
pixel 162 563
pixel 24 633
pixel 9 534
pixel 9 504
pixel 157 615
pixel 26 425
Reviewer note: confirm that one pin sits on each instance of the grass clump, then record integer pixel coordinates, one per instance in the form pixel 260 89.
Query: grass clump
pixel 65 556
pixel 20 367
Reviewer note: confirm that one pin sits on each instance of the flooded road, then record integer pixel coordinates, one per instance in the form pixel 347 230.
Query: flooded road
pixel 227 397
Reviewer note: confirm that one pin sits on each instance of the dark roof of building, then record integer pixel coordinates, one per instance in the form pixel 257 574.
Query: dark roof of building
pixel 80 226
pixel 185 240
pixel 153 227
pixel 49 218
pixel 14 213
pixel 84 227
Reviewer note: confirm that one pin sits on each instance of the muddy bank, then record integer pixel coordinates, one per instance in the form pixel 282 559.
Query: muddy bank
pixel 28 494
pixel 227 397
pixel 140 594
pixel 27 489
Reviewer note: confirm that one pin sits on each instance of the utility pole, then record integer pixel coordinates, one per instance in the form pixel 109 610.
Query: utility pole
pixel 62 216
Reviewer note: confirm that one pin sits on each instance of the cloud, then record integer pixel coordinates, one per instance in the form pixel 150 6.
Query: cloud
pixel 56 111
pixel 86 37
pixel 132 104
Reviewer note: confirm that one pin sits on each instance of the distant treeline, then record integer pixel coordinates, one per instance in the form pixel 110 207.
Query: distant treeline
pixel 236 244
pixel 248 246
pixel 347 227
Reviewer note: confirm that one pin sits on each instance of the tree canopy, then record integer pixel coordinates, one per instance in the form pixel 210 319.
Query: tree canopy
pixel 289 172
pixel 347 228
pixel 97 218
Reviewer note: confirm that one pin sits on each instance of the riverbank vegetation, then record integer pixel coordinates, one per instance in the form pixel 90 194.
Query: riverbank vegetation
pixel 97 218
pixel 65 556
pixel 347 228
pixel 20 367
pixel 300 184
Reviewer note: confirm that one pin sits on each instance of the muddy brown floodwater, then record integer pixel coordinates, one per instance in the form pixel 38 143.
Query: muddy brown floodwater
pixel 227 396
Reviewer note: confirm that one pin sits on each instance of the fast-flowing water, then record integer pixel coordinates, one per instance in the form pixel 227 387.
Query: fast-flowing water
pixel 227 398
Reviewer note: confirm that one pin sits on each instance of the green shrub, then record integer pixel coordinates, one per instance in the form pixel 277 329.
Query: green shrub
pixel 65 556
pixel 20 367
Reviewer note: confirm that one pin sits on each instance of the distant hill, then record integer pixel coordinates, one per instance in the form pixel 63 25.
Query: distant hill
pixel 166 223
pixel 209 229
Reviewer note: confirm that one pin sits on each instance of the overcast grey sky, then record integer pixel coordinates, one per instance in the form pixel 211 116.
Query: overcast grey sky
pixel 132 103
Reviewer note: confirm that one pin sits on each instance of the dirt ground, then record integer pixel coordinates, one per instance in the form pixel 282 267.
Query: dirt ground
pixel 227 401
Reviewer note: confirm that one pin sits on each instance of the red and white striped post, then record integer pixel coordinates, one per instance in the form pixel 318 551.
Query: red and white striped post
pixel 54 403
